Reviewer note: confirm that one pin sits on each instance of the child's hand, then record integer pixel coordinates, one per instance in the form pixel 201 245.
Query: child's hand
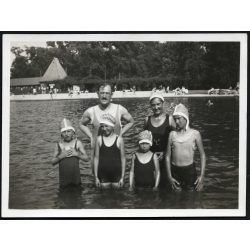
pixel 174 184
pixel 121 183
pixel 155 188
pixel 160 156
pixel 199 184
pixel 131 188
pixel 97 182
pixel 64 154
pixel 74 152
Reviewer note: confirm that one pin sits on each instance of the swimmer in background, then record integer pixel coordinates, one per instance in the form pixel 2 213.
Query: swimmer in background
pixel 179 159
pixel 210 103
pixel 68 152
pixel 145 170
pixel 109 155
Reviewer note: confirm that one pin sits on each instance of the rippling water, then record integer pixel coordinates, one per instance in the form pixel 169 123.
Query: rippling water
pixel 34 129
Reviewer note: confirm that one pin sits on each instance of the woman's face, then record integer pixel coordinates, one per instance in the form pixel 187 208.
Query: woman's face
pixel 156 106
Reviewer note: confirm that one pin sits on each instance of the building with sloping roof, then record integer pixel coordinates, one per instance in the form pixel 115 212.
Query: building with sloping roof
pixel 54 72
pixel 25 82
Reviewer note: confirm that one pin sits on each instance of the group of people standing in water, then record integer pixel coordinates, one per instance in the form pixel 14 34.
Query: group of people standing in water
pixel 165 155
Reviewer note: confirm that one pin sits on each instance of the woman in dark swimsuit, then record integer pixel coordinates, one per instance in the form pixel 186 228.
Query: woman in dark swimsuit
pixel 160 124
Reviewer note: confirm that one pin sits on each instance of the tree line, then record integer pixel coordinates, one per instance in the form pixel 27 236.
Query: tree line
pixel 195 65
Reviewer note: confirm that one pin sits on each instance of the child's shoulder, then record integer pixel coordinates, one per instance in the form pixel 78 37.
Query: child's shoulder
pixel 194 132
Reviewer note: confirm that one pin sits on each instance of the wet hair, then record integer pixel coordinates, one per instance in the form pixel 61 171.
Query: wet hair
pixel 103 85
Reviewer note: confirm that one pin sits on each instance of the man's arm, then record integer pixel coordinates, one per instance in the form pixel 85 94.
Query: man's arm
pixel 83 125
pixel 125 116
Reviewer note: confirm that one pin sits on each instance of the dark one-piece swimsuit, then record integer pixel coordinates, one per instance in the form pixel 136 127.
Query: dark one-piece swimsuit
pixel 69 171
pixel 144 173
pixel 110 169
pixel 160 139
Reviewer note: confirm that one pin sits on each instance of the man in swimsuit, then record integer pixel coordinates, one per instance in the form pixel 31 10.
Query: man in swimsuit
pixel 93 116
pixel 179 159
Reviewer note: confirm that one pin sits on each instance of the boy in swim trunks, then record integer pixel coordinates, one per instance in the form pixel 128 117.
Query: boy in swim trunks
pixel 145 170
pixel 109 156
pixel 67 153
pixel 182 144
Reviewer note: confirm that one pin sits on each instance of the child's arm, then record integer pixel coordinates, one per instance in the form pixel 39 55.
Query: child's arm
pixel 57 157
pixel 123 160
pixel 157 172
pixel 82 153
pixel 200 179
pixel 131 173
pixel 96 161
pixel 174 183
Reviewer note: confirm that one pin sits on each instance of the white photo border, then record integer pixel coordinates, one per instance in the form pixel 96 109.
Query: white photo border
pixel 185 37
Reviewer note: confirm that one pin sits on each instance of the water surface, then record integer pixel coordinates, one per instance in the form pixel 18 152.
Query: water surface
pixel 35 128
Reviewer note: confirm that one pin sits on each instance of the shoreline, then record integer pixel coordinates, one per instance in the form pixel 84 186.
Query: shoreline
pixel 116 95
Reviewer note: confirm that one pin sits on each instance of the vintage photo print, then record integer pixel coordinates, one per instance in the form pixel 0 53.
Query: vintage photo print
pixel 124 125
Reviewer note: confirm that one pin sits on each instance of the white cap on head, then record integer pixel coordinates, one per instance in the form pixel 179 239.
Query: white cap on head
pixel 146 137
pixel 181 110
pixel 156 95
pixel 66 125
pixel 108 120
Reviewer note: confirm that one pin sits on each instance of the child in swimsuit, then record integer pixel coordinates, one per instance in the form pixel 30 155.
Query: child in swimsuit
pixel 182 144
pixel 145 170
pixel 109 157
pixel 67 153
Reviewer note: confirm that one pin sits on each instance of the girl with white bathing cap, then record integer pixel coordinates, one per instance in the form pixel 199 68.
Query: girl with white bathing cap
pixel 109 156
pixel 67 153
pixel 182 144
pixel 144 172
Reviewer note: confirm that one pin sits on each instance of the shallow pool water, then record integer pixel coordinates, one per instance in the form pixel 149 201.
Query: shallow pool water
pixel 34 130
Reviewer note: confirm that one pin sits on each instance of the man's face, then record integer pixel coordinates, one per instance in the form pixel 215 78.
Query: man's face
pixel 105 95
pixel 180 122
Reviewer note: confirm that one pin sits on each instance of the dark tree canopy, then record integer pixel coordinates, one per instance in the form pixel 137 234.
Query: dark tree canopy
pixel 195 65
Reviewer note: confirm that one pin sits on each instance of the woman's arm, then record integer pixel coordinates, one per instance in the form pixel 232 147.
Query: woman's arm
pixel 96 161
pixel 157 171
pixel 145 123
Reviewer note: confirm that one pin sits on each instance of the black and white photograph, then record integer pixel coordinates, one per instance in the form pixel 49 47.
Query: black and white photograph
pixel 124 125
